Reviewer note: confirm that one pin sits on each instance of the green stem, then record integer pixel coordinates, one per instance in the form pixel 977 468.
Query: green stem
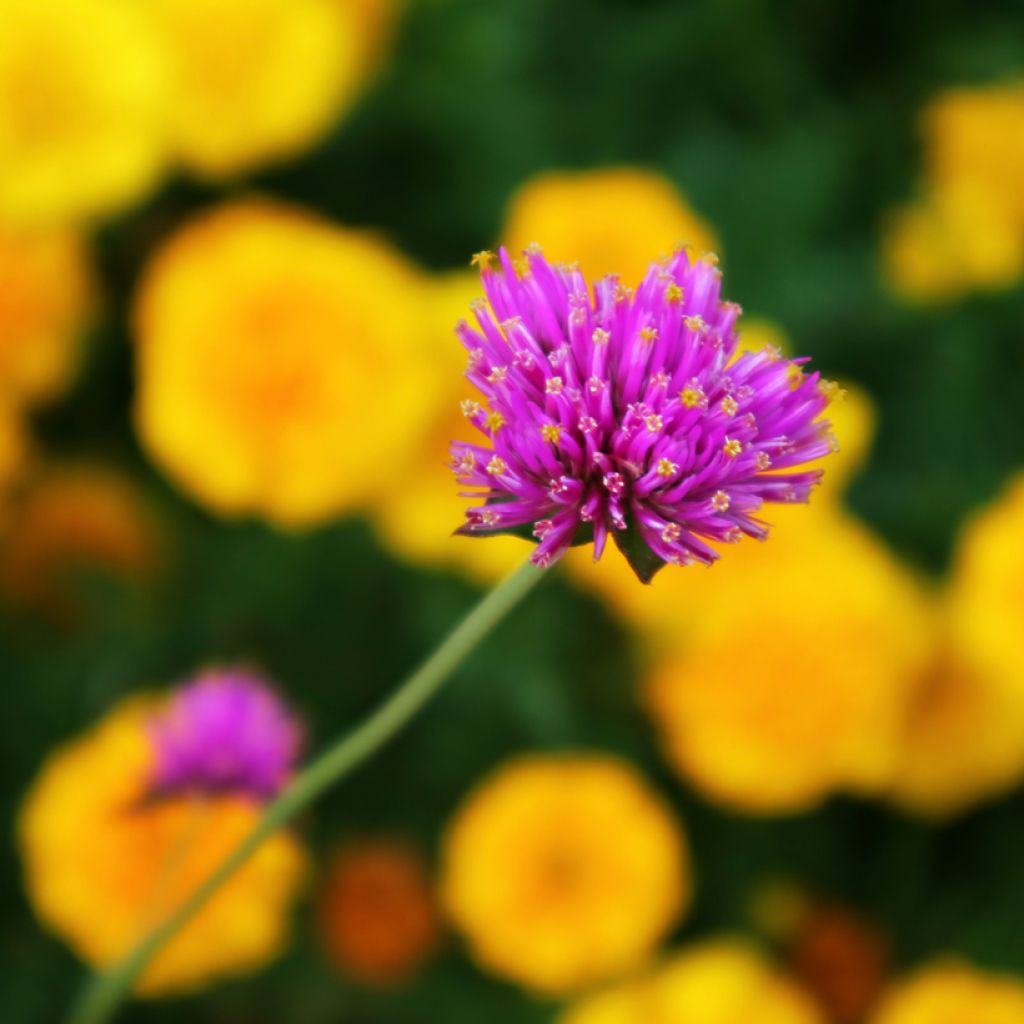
pixel 104 993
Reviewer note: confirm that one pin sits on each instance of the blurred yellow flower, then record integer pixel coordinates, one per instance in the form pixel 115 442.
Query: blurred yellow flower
pixel 45 296
pixel 377 916
pixel 977 135
pixel 610 221
pixel 73 517
pixel 987 587
pixel 280 370
pixel 964 734
pixel 963 741
pixel 967 229
pixel 953 992
pixel 260 80
pixel 417 514
pixel 564 871
pixel 794 683
pixel 722 982
pixel 82 94
pixel 954 241
pixel 102 866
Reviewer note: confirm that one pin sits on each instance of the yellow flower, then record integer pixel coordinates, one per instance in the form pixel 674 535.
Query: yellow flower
pixel 280 370
pixel 796 686
pixel 987 587
pixel 967 229
pixel 952 991
pixel 261 80
pixel 102 866
pixel 82 92
pixel 417 514
pixel 564 871
pixel 45 296
pixel 977 135
pixel 378 920
pixel 722 982
pixel 964 733
pixel 610 221
pixel 69 518
pixel 963 740
pixel 958 239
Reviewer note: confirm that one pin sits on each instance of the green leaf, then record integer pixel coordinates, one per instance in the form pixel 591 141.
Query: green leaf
pixel 642 560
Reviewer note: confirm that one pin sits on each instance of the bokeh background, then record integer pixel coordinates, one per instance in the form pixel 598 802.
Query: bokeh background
pixel 234 240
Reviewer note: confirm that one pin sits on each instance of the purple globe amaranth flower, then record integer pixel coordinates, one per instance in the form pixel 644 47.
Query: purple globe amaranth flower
pixel 225 731
pixel 610 410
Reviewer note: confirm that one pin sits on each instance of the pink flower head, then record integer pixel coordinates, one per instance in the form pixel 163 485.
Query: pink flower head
pixel 609 410
pixel 227 730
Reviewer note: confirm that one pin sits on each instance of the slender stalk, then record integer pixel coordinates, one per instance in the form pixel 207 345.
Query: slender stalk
pixel 104 993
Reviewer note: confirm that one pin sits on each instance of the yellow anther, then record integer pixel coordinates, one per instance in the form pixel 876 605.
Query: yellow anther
pixel 691 396
pixel 671 533
pixel 653 422
pixel 497 466
pixel 732 447
pixel 720 501
pixel 522 267
pixel 666 467
pixel 649 335
pixel 600 336
pixel 673 293
pixel 830 390
pixel 729 405
pixel 497 374
pixel 469 407
pixel 710 258
pixel 623 292
pixel 495 421
pixel 551 432
pixel 482 259
pixel 764 461
pixel 772 353
pixel 533 249
pixel 553 386
pixel 489 517
pixel 695 323
pixel 794 375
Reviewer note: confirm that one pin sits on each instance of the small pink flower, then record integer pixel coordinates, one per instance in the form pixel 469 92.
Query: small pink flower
pixel 226 730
